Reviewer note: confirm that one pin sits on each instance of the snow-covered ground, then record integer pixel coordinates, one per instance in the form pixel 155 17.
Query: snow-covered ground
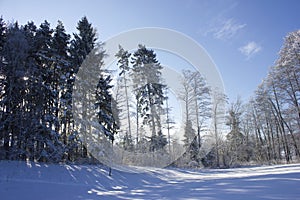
pixel 21 180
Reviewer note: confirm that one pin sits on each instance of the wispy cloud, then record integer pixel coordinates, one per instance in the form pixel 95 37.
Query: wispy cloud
pixel 226 29
pixel 250 49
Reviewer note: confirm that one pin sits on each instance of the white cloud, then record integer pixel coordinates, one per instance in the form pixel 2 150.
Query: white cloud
pixel 227 29
pixel 250 49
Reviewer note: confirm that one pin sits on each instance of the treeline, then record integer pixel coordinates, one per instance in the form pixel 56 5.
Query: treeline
pixel 37 74
pixel 147 135
pixel 274 111
pixel 39 67
pixel 267 128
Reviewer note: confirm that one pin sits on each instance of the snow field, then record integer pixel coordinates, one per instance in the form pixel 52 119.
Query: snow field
pixel 28 180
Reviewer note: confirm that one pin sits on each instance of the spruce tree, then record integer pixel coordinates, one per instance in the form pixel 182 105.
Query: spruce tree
pixel 61 67
pixel 82 44
pixel 52 148
pixel 106 116
pixel 104 106
pixel 15 52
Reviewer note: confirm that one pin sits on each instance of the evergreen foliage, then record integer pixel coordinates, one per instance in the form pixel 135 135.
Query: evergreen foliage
pixel 37 76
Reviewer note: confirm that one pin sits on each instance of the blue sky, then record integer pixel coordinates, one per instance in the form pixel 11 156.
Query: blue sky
pixel 242 37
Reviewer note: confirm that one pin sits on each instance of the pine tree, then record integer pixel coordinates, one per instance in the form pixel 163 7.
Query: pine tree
pixel 83 43
pixel 105 110
pixel 15 52
pixel 61 66
pixel 43 40
pixel 158 142
pixel 235 138
pixel 148 88
pixel 104 102
pixel 34 97
pixel 190 141
pixel 123 63
pixel 50 148
pixel 81 46
pixel 63 75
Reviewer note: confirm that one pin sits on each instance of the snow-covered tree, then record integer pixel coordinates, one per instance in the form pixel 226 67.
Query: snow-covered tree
pixel 191 142
pixel 123 57
pixel 105 110
pixel 83 42
pixel 286 80
pixel 44 58
pixel 62 71
pixel 169 121
pixel 218 115
pixel 157 142
pixel 149 90
pixel 81 46
pixel 14 52
pixel 235 138
pixel 275 107
pixel 188 97
pixel 104 102
pixel 202 102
